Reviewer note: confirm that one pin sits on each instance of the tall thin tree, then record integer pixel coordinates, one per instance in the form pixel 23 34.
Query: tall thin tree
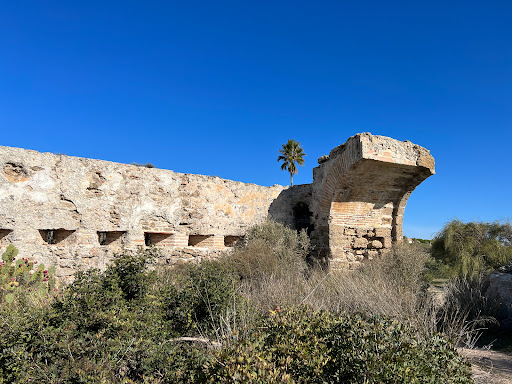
pixel 291 154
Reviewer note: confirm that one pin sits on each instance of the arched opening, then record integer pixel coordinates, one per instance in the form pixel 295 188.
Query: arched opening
pixel 366 211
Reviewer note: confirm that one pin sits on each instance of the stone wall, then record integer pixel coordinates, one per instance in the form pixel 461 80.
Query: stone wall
pixel 77 213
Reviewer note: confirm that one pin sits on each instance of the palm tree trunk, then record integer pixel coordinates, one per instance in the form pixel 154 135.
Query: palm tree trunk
pixel 291 179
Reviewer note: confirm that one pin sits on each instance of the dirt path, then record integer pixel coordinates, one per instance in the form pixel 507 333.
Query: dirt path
pixel 489 366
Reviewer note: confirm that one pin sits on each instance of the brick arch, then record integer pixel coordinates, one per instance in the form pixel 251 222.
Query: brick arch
pixel 362 192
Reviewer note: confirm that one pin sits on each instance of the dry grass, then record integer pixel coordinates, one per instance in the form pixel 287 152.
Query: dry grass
pixel 272 271
pixel 391 286
pixel 274 274
pixel 466 311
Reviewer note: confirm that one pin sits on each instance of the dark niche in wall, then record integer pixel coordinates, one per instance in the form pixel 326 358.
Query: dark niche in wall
pixel 199 240
pixel 55 236
pixel 3 234
pixel 302 217
pixel 230 241
pixel 110 237
pixel 154 238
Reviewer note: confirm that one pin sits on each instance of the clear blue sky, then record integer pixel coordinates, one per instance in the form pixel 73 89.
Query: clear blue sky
pixel 215 87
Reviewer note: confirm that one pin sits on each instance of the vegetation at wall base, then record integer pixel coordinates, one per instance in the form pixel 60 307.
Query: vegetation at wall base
pixel 302 345
pixel 257 316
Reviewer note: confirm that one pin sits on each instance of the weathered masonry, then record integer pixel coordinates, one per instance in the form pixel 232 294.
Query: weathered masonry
pixel 77 213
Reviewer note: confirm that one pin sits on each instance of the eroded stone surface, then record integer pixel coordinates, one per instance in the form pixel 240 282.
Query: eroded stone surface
pixel 77 213
pixel 15 172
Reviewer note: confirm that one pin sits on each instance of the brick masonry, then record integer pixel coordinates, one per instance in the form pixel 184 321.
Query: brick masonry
pixel 78 213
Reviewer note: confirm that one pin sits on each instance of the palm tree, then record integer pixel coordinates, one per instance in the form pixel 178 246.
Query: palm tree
pixel 291 154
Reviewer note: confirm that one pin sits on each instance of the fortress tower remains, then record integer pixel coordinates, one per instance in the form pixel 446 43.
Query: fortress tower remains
pixel 77 213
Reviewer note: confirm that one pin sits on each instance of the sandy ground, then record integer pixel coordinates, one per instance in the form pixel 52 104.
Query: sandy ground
pixel 489 366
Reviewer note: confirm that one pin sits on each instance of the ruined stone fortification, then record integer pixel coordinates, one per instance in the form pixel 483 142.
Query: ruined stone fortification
pixel 74 212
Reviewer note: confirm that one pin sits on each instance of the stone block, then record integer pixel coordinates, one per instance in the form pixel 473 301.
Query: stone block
pixel 360 242
pixel 375 244
pixel 386 242
pixel 382 232
pixel 371 254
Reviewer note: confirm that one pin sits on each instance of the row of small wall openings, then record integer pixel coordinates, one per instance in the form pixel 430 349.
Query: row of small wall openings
pixel 152 238
pixel 55 236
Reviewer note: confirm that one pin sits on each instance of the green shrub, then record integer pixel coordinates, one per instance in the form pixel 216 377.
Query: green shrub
pixel 108 326
pixel 130 273
pixel 200 294
pixel 474 247
pixel 306 346
pixel 437 270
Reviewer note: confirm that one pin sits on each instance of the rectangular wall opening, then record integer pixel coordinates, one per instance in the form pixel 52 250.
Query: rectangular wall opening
pixel 230 241
pixel 110 237
pixel 157 238
pixel 55 236
pixel 199 240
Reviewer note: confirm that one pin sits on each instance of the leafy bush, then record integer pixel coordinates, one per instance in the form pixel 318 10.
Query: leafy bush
pixel 129 272
pixel 466 253
pixel 199 295
pixel 437 270
pixel 136 324
pixel 109 326
pixel 472 248
pixel 306 346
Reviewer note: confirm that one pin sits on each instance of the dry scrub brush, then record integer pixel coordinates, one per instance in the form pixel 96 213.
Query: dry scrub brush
pixel 467 311
pixel 391 286
pixel 274 273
